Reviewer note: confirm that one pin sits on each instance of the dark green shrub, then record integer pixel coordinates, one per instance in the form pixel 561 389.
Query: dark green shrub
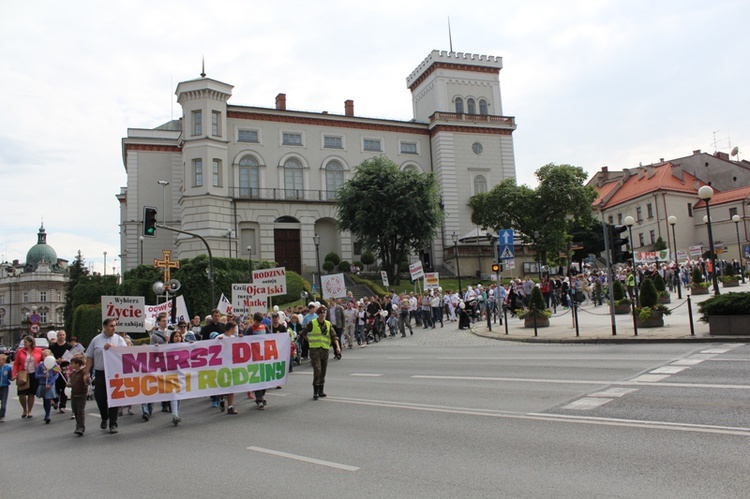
pixel 537 299
pixel 328 265
pixel 358 264
pixel 334 257
pixel 618 293
pixel 648 294
pixel 725 304
pixel 344 266
pixel 659 283
pixel 697 275
pixel 403 266
pixel 729 269
pixel 368 258
pixel 87 322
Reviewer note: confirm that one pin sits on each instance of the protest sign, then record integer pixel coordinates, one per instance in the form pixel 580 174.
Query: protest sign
pixel 178 371
pixel 151 311
pixel 274 280
pixel 248 298
pixel 431 280
pixel 126 310
pixel 333 286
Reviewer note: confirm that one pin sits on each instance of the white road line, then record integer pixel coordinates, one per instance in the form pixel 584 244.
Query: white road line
pixel 366 375
pixel 586 403
pixel 304 459
pixel 687 362
pixel 716 350
pixel 613 392
pixel 649 378
pixel 668 370
pixel 631 382
pixel 631 423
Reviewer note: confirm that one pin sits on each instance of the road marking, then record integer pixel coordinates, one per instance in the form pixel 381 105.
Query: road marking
pixel 525 380
pixel 586 403
pixel 649 378
pixel 276 394
pixel 668 370
pixel 304 459
pixel 631 382
pixel 687 362
pixel 629 423
pixel 613 392
pixel 366 375
pixel 399 358
pixel 716 350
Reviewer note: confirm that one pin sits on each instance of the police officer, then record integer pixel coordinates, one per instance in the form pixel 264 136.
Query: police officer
pixel 320 334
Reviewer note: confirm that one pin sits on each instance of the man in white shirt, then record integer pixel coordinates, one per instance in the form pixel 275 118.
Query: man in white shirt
pixel 95 359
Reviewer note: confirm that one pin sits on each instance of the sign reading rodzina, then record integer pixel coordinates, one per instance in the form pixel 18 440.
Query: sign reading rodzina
pixel 249 298
pixel 274 280
pixel 126 310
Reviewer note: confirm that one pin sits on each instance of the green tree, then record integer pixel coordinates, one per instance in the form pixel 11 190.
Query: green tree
pixel 91 288
pixel 552 210
pixel 76 270
pixel 660 244
pixel 392 212
pixel 648 294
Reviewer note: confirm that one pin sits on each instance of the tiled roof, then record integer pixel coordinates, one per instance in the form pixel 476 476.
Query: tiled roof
pixel 604 191
pixel 645 180
pixel 726 197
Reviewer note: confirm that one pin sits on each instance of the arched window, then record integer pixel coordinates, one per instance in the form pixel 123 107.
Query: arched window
pixel 334 178
pixel 480 184
pixel 249 177
pixel 411 168
pixel 293 185
pixel 483 107
pixel 472 106
pixel 459 105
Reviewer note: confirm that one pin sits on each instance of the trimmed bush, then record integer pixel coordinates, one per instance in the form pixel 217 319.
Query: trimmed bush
pixel 725 304
pixel 334 257
pixel 368 258
pixel 328 265
pixel 618 292
pixel 697 275
pixel 659 283
pixel 344 266
pixel 648 294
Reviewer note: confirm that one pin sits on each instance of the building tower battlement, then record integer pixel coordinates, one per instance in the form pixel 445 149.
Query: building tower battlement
pixel 437 57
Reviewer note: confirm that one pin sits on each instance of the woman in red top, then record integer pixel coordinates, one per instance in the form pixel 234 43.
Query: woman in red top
pixel 27 359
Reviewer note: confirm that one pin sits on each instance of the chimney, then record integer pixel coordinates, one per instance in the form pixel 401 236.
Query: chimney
pixel 697 151
pixel 281 102
pixel 349 107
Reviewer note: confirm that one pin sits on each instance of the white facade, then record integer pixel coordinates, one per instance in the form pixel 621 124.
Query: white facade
pixel 265 178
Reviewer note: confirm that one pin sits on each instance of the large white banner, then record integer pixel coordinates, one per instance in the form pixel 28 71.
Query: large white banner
pixel 127 310
pixel 177 371
pixel 153 310
pixel 333 286
pixel 249 298
pixel 274 280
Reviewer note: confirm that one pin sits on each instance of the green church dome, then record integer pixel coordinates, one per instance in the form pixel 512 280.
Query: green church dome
pixel 41 252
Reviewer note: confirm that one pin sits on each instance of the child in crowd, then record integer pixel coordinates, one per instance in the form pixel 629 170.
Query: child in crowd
pixel 78 381
pixel 5 372
pixel 393 323
pixel 47 379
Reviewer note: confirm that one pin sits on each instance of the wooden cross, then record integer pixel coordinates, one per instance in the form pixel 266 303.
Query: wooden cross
pixel 166 264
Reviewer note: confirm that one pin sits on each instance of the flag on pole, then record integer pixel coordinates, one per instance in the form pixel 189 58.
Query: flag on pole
pixel 224 306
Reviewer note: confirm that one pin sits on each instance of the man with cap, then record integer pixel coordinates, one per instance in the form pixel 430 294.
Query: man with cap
pixel 320 334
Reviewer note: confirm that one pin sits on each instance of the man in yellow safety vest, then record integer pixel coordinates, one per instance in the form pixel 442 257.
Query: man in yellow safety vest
pixel 320 334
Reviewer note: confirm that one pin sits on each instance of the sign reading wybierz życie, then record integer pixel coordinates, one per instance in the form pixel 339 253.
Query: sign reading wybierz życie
pixel 176 371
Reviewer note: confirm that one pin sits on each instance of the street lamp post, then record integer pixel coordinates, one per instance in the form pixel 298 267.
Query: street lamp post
pixel 140 256
pixel 629 221
pixel 105 263
pixel 250 262
pixel 454 236
pixel 736 220
pixel 706 193
pixel 316 240
pixel 673 221
pixel 538 260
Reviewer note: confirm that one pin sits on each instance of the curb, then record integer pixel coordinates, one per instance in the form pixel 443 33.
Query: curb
pixel 613 339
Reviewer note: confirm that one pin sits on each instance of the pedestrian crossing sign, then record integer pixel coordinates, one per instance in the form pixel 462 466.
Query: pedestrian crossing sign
pixel 506 253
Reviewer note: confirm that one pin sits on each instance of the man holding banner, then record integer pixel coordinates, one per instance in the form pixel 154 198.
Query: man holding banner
pixel 95 359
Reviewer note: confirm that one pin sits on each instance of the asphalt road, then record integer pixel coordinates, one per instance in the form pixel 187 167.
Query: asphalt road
pixel 442 413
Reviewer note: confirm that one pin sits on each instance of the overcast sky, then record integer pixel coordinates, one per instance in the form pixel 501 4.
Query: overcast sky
pixel 591 83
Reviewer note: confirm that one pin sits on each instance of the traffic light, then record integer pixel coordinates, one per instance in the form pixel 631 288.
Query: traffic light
pixel 149 221
pixel 496 267
pixel 617 240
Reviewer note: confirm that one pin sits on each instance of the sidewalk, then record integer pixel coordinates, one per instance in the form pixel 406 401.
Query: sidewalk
pixel 595 326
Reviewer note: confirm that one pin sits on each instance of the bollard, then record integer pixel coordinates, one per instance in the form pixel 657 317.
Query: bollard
pixel 635 320
pixel 690 316
pixel 505 313
pixel 575 318
pixel 533 311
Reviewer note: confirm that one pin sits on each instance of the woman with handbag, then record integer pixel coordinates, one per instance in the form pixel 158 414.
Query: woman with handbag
pixel 24 367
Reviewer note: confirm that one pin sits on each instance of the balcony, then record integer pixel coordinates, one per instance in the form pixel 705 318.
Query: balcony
pixel 473 118
pixel 282 195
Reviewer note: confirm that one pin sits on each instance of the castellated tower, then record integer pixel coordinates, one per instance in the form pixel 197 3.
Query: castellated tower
pixel 205 203
pixel 458 96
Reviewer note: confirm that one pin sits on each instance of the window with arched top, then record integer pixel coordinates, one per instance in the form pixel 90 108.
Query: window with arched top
pixel 293 183
pixel 411 168
pixel 459 105
pixel 472 105
pixel 480 184
pixel 249 177
pixel 483 108
pixel 334 172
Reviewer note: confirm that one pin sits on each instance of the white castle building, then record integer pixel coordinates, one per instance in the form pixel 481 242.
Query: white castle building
pixel 265 178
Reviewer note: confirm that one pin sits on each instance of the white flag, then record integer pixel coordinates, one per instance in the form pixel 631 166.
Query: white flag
pixel 224 306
